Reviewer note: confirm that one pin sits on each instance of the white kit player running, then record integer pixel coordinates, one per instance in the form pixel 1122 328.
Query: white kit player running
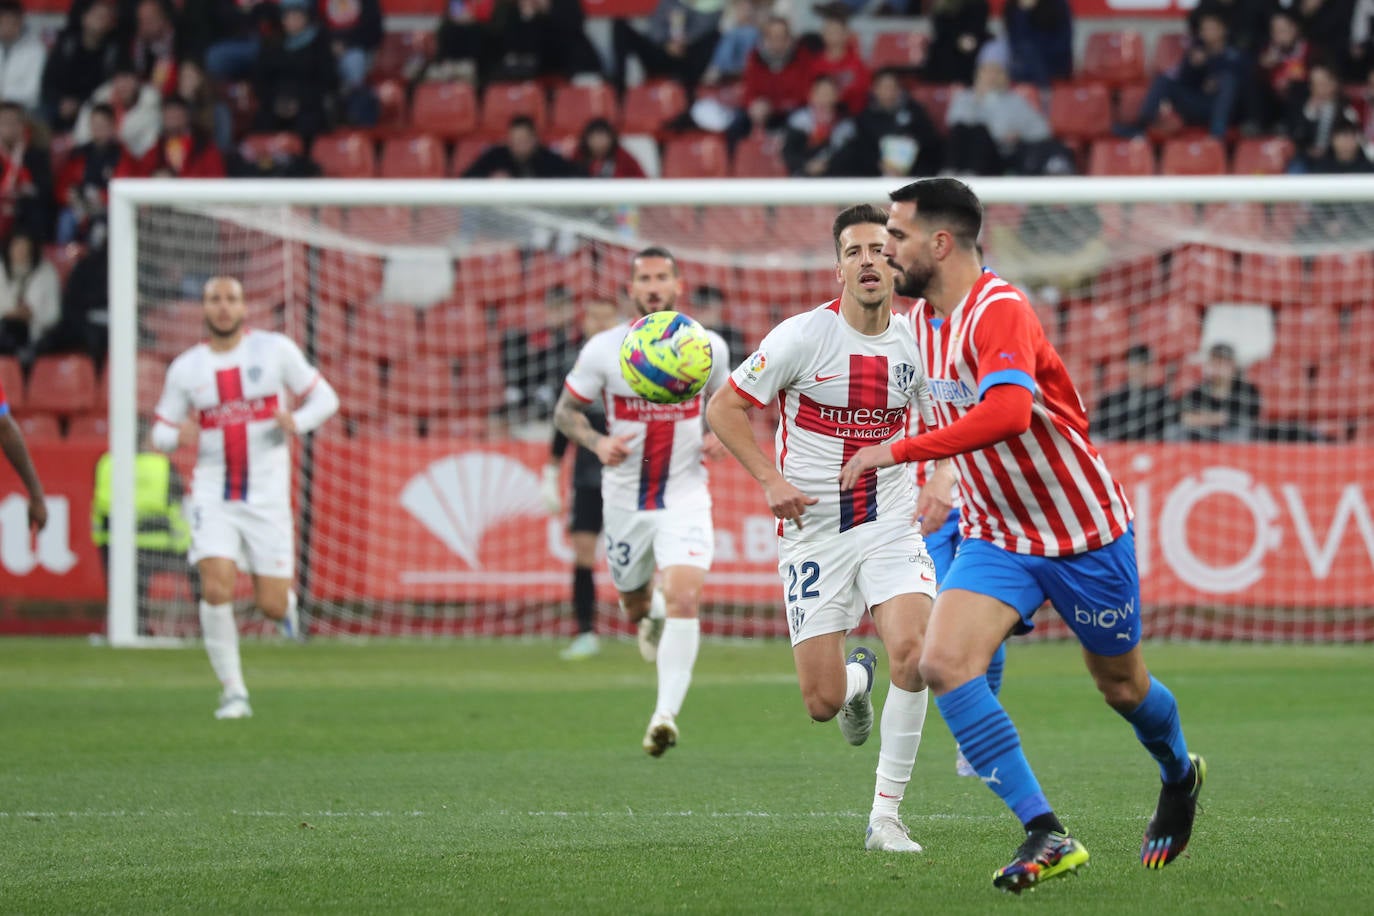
pixel 846 375
pixel 228 396
pixel 657 509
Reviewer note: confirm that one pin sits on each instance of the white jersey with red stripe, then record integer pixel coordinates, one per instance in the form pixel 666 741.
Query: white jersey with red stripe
pixel 244 456
pixel 664 469
pixel 838 390
pixel 1047 491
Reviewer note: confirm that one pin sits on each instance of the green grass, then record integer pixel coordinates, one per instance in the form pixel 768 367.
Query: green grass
pixel 479 777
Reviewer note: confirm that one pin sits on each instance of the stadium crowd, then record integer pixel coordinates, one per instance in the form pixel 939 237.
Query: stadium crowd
pixel 519 88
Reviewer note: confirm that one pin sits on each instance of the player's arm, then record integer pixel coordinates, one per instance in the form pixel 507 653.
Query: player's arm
pixel 711 446
pixel 171 426
pixel 548 483
pixel 318 399
pixel 936 499
pixel 12 442
pixel 581 388
pixel 728 414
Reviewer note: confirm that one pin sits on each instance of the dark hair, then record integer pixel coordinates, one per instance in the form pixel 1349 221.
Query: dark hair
pixel 584 152
pixel 12 7
pixel 1139 353
pixel 856 215
pixel 522 121
pixel 175 101
pixel 706 293
pixel 35 249
pixel 103 108
pixel 654 251
pixel 16 108
pixel 947 202
pixel 882 72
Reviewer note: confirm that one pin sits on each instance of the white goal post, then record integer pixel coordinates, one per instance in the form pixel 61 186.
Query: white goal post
pixel 1325 536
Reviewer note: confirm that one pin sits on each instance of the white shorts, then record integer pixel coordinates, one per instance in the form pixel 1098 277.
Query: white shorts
pixel 638 541
pixel 260 539
pixel 828 582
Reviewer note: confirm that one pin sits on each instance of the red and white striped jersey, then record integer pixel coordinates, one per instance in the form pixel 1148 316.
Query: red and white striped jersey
pixel 1046 492
pixel 920 470
pixel 235 395
pixel 664 469
pixel 837 390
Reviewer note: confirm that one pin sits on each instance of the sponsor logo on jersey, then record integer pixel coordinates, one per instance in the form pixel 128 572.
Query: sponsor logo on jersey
pixel 953 391
pixel 638 410
pixel 874 424
pixel 233 413
pixel 1103 618
pixel 758 362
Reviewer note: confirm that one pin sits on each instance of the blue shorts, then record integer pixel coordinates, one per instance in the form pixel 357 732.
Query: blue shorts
pixel 1097 593
pixel 943 543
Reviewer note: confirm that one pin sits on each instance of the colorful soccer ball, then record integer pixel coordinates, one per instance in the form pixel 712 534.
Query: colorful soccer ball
pixel 666 357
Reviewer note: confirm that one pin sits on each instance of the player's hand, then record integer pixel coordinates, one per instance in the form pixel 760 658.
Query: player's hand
pixel 865 460
pixel 38 513
pixel 548 489
pixel 711 449
pixel 612 450
pixel 936 499
pixel 786 501
pixel 188 434
pixel 287 422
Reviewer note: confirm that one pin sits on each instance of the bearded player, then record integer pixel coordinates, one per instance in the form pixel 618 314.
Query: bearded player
pixel 657 509
pixel 228 397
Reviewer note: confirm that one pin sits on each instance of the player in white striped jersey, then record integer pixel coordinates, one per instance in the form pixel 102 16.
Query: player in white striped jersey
pixel 657 509
pixel 228 397
pixel 846 375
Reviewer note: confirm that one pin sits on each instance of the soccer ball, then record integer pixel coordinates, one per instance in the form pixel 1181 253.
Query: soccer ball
pixel 666 357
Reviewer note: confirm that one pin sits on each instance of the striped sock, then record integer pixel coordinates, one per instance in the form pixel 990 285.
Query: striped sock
pixel 991 745
pixel 999 661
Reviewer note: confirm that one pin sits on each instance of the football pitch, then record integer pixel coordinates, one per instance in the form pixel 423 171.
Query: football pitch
pixel 489 777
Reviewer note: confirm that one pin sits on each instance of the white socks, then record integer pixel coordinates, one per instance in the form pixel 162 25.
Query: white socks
pixel 658 606
pixel 904 716
pixel 856 681
pixel 677 653
pixel 221 634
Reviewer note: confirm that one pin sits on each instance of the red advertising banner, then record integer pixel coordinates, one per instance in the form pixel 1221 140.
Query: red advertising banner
pixel 450 521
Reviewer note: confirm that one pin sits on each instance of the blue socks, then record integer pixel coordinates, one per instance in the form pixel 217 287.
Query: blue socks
pixel 990 743
pixel 1157 726
pixel 999 661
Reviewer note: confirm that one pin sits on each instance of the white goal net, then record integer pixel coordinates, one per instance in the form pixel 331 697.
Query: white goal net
pixel 446 314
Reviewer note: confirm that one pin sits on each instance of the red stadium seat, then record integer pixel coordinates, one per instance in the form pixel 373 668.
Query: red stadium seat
pixel 89 426
pixel 446 110
pixel 1201 276
pixel 347 277
pixel 503 101
pixel 465 153
pixel 1262 156
pixel 255 147
pixel 177 326
pixel 1307 336
pixel 392 108
pixel 402 54
pixel 651 105
pixel 1128 101
pixel 1285 389
pixel 41 426
pixel 390 332
pixel 12 381
pixel 1080 112
pixel 63 384
pixel 491 277
pixel 1121 157
pixel 934 98
pixel 758 156
pixel 358 383
pixel 1341 278
pixel 1197 156
pixel 348 154
pixel 696 156
pixel 422 386
pixel 574 106
pixel 1172 330
pixel 1113 57
pixel 1097 332
pixel 454 329
pixel 1273 278
pixel 479 386
pixel 902 50
pixel 729 227
pixel 1168 52
pixel 413 157
pixel 64 258
pixel 1343 390
pixel 544 270
pixel 1357 335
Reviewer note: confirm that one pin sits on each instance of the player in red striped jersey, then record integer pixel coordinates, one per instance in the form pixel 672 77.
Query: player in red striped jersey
pixel 845 374
pixel 1043 520
pixel 228 397
pixel 657 509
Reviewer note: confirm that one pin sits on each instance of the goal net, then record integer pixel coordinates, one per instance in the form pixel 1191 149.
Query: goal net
pixel 446 315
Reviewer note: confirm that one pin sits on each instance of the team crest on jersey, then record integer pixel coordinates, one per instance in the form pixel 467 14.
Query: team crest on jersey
pixel 903 374
pixel 254 373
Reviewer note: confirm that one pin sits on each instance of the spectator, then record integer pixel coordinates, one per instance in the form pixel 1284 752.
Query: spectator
pixel 30 294
pixel 137 109
pixel 82 59
pixel 1139 410
pixel 1283 70
pixel 777 78
pixel 1040 35
pixel 1346 156
pixel 1311 122
pixel 1247 21
pixel 600 154
pixel 296 77
pixel 840 58
pixel 893 136
pixel 993 130
pixel 460 45
pixel 739 35
pixel 154 46
pixel 26 186
pixel 541 38
pixel 959 30
pixel 817 133
pixel 1224 407
pixel 535 359
pixel 521 156
pixel 355 32
pixel 1361 41
pixel 209 115
pixel 1204 88
pixel 181 150
pixel 83 187
pixel 238 29
pixel 708 307
pixel 678 43
pixel 22 56
pixel 1327 25
pixel 83 326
